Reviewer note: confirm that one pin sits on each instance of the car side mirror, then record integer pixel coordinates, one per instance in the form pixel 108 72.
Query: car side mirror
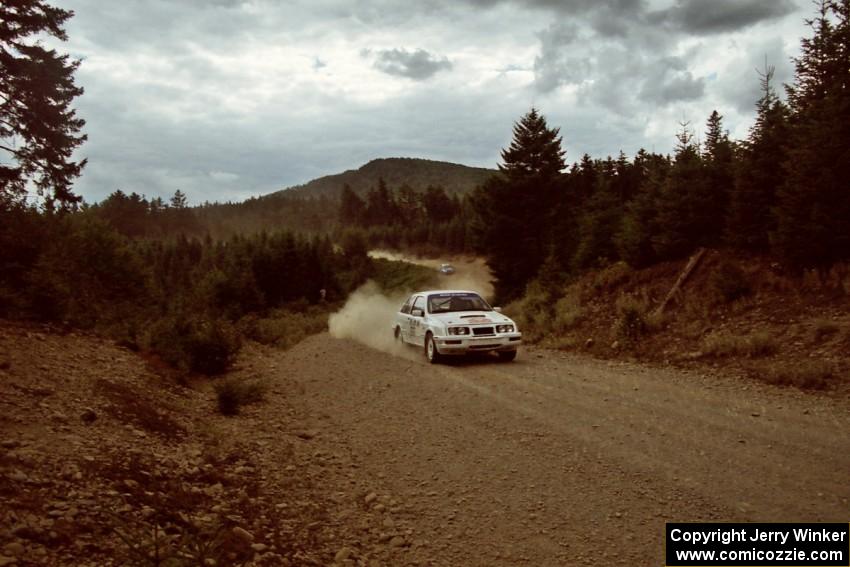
pixel 497 309
pixel 417 313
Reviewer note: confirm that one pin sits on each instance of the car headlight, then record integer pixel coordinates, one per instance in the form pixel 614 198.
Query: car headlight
pixel 458 330
pixel 504 328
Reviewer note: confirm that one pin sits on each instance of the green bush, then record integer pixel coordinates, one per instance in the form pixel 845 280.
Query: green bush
pixel 283 328
pixel 543 313
pixel 568 312
pixel 208 346
pixel 232 393
pixel 730 282
pixel 631 323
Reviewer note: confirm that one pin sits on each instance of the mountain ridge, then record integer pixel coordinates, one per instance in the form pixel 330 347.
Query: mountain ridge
pixel 418 173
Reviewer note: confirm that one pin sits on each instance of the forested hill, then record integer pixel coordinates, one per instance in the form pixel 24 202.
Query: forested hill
pixel 417 173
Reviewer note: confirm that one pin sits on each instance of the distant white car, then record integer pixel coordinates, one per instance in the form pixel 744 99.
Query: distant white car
pixel 447 269
pixel 453 322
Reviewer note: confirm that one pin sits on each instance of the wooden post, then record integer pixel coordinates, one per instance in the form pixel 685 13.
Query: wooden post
pixel 691 265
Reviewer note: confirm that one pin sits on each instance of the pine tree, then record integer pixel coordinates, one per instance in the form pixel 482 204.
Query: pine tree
pixel 684 220
pixel 600 216
pixel 439 208
pixel 514 209
pixel 352 209
pixel 758 172
pixel 813 208
pixel 39 130
pixel 179 200
pixel 718 157
pixel 535 150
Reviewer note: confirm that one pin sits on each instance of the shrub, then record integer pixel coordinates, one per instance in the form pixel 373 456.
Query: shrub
pixel 232 393
pixel 755 345
pixel 283 328
pixel 611 276
pixel 208 346
pixel 539 313
pixel 631 323
pixel 568 312
pixel 808 375
pixel 729 282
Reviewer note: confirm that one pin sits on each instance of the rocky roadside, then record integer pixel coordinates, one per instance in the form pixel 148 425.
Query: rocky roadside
pixel 106 460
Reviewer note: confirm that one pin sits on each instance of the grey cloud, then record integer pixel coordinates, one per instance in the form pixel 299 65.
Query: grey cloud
pixel 165 109
pixel 668 80
pixel 716 16
pixel 738 81
pixel 417 65
pixel 568 6
pixel 611 72
pixel 556 65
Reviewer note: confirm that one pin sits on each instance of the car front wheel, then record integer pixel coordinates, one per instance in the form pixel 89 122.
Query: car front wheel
pixel 431 352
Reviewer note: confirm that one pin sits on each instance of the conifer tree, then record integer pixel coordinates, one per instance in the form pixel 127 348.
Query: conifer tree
pixel 813 208
pixel 39 130
pixel 684 221
pixel 758 172
pixel 718 158
pixel 352 208
pixel 514 209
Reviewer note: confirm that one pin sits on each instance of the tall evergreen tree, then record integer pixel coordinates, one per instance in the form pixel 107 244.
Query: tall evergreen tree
pixel 639 224
pixel 600 216
pixel 684 219
pixel 39 130
pixel 813 208
pixel 438 206
pixel 718 157
pixel 758 172
pixel 514 209
pixel 352 209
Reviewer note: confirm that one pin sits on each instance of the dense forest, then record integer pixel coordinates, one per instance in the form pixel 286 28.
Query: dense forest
pixel 137 264
pixel 783 191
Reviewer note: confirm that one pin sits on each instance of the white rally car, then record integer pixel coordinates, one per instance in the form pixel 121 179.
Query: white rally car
pixel 446 322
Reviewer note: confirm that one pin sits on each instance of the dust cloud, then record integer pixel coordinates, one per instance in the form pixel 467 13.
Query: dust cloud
pixel 369 313
pixel 471 273
pixel 367 317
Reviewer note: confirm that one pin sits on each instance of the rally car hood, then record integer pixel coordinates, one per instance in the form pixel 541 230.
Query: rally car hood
pixel 471 318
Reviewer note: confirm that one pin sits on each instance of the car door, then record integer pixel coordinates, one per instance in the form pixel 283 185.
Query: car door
pixel 403 319
pixel 417 324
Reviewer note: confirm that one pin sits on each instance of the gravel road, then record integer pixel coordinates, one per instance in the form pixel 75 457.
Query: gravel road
pixel 562 460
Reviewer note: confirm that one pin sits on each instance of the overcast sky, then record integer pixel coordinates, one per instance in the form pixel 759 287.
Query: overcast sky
pixel 225 99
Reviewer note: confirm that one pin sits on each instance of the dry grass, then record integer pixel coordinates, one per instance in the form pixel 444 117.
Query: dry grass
pixel 755 345
pixel 611 277
pixel 807 375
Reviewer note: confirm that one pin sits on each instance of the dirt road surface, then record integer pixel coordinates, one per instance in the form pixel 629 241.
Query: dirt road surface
pixel 558 460
pixel 368 458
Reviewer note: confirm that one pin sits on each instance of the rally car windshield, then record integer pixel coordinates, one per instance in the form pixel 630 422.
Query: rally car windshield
pixel 449 302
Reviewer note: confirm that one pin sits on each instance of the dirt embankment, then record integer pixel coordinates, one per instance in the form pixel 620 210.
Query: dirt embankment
pixel 359 457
